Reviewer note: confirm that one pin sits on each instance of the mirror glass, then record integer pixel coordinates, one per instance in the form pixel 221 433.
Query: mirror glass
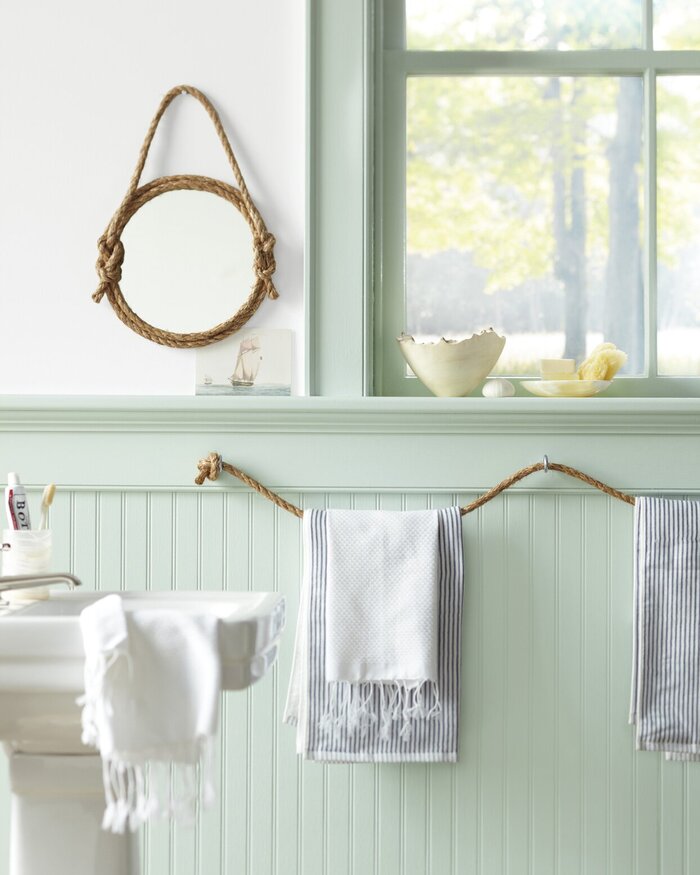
pixel 188 262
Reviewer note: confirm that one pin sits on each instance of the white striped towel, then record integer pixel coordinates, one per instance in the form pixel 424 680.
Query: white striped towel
pixel 350 700
pixel 665 700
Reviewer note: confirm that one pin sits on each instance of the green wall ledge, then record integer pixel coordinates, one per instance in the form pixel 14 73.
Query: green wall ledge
pixel 325 445
pixel 651 416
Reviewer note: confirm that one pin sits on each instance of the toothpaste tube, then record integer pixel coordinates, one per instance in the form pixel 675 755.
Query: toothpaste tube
pixel 16 504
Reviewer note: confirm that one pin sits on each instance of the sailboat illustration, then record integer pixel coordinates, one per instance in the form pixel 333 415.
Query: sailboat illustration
pixel 247 363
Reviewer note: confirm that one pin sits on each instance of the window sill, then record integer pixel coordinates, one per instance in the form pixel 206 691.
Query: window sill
pixel 623 387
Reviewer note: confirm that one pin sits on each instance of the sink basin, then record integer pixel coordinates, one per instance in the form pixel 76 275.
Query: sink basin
pixel 41 656
pixel 56 782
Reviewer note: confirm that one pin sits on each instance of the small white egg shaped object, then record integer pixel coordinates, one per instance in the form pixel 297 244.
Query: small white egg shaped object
pixel 498 388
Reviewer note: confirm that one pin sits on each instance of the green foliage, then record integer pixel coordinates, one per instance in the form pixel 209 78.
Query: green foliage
pixel 676 24
pixel 481 154
pixel 481 150
pixel 523 24
pixel 496 166
pixel 678 166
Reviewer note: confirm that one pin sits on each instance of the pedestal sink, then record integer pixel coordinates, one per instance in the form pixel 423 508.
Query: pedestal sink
pixel 57 794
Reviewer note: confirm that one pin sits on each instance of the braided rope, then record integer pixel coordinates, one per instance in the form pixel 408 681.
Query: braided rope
pixel 211 467
pixel 539 466
pixel 111 250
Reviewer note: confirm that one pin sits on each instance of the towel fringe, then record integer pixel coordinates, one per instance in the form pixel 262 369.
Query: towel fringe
pixel 169 790
pixel 171 787
pixel 99 676
pixel 357 707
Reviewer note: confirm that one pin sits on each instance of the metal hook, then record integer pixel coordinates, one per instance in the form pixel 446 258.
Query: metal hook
pixel 545 464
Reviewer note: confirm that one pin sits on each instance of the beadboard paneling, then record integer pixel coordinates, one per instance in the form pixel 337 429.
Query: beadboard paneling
pixel 548 780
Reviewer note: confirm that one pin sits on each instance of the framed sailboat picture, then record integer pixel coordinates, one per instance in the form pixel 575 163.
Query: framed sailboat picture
pixel 250 362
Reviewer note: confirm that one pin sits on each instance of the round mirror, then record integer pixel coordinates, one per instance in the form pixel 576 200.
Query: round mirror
pixel 187 266
pixel 187 261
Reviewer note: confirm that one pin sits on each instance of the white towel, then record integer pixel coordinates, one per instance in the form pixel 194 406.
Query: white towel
pixel 382 596
pixel 152 688
pixel 381 618
pixel 665 701
pixel 376 665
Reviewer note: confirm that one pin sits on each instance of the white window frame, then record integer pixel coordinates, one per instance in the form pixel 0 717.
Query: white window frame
pixel 356 185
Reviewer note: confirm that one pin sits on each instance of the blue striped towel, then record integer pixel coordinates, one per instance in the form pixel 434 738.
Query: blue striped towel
pixel 665 701
pixel 425 723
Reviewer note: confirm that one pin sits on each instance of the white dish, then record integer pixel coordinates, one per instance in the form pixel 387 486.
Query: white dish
pixel 565 388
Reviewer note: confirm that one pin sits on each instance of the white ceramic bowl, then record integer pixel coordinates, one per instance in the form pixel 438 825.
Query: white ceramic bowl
pixel 453 368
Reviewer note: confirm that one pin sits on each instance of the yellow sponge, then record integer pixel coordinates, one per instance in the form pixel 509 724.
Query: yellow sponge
pixel 603 363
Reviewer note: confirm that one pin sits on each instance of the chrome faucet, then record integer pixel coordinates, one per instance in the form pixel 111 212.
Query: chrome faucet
pixel 29 581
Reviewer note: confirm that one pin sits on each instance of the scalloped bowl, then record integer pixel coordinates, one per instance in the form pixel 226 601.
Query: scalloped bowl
pixel 452 368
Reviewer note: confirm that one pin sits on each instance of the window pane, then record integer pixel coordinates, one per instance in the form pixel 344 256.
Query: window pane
pixel 678 173
pixel 522 24
pixel 523 200
pixel 676 24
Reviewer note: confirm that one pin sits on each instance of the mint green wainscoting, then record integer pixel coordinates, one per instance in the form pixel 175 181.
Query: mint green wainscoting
pixel 548 781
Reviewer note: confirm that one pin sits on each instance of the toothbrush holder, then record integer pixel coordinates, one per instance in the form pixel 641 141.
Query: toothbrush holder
pixel 26 552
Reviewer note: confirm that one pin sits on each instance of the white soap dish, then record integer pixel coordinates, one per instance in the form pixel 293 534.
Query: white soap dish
pixel 565 388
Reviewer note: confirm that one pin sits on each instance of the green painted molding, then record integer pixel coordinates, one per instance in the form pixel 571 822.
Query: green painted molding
pixel 339 228
pixel 385 416
pixel 449 445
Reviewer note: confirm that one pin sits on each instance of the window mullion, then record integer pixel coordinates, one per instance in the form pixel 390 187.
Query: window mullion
pixel 650 199
pixel 650 214
pixel 648 24
pixel 391 231
pixel 632 62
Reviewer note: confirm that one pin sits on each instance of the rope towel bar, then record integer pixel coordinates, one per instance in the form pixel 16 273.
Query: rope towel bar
pixel 212 466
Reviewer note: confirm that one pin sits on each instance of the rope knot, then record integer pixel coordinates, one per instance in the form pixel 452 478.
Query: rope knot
pixel 209 468
pixel 109 265
pixel 265 264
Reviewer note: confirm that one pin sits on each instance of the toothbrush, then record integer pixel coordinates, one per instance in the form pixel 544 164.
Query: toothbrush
pixel 46 500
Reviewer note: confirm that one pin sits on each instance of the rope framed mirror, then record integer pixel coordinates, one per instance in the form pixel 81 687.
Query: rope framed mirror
pixel 111 250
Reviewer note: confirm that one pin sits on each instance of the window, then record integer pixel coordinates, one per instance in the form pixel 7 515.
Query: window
pixel 537 172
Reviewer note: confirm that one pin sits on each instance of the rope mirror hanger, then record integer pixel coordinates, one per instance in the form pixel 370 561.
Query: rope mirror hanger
pixel 111 248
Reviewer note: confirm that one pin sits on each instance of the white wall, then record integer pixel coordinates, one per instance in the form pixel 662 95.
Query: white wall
pixel 79 83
